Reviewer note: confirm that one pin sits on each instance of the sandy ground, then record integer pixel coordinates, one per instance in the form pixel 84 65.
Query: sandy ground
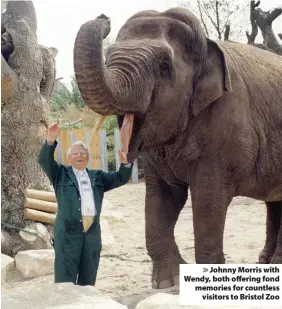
pixel 127 270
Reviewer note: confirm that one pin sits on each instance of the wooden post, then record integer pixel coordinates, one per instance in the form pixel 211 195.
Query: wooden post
pixel 58 151
pixel 87 142
pixel 95 150
pixel 104 151
pixel 134 175
pixel 72 138
pixel 117 146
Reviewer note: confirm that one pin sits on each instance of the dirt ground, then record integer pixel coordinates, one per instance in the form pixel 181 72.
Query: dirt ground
pixel 127 270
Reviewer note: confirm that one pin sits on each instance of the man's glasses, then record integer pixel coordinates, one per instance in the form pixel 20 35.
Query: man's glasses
pixel 76 153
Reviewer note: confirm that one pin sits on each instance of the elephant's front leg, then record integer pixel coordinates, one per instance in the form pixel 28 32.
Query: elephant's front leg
pixel 163 205
pixel 273 227
pixel 211 197
pixel 277 256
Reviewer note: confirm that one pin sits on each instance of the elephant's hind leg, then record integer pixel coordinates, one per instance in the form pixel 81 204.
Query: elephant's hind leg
pixel 163 205
pixel 272 251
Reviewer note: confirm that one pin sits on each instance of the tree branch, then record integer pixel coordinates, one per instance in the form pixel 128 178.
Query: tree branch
pixel 273 15
pixel 264 21
pixel 202 19
pixel 251 37
pixel 227 32
pixel 20 23
pixel 49 71
pixel 209 17
pixel 9 80
pixel 217 20
pixel 17 10
pixel 3 6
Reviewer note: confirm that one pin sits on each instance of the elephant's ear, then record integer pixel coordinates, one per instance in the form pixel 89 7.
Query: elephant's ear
pixel 214 80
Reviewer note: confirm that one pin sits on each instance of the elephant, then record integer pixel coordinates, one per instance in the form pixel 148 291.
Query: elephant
pixel 208 118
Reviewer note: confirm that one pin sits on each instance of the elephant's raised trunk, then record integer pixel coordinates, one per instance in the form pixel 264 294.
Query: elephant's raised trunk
pixel 97 88
pixel 111 89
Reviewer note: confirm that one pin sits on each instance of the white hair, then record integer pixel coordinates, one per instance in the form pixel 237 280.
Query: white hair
pixel 77 143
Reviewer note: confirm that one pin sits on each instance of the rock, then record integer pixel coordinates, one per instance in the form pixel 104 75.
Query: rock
pixel 43 232
pixel 131 300
pixel 33 242
pixel 7 243
pixel 107 205
pixel 57 296
pixel 161 301
pixel 113 217
pixel 7 265
pixel 168 301
pixel 108 241
pixel 30 240
pixel 35 263
pixel 35 236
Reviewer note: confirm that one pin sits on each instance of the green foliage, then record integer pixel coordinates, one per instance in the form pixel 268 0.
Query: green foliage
pixel 64 97
pixel 75 94
pixel 60 99
pixel 68 106
pixel 110 124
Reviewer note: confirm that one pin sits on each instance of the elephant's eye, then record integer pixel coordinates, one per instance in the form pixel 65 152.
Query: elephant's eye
pixel 165 68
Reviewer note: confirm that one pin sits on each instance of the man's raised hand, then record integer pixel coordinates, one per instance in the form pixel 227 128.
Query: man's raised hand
pixel 53 132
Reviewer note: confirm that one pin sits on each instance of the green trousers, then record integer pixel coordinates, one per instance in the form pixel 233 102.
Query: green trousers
pixel 76 259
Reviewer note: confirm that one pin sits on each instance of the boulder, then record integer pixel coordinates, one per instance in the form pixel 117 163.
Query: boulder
pixel 7 265
pixel 107 205
pixel 57 296
pixel 7 243
pixel 112 217
pixel 35 263
pixel 161 301
pixel 31 240
pixel 168 301
pixel 108 241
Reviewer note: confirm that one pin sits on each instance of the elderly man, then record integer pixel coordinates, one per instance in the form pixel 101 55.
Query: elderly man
pixel 79 192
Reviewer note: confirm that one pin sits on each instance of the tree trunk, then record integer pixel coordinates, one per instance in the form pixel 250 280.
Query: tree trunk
pixel 264 20
pixel 27 83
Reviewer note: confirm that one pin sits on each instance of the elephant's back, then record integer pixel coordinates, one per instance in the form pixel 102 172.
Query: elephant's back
pixel 247 58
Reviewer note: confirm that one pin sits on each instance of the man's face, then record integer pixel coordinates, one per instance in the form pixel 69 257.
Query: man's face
pixel 78 157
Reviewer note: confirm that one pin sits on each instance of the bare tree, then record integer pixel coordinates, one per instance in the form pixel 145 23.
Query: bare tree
pixel 216 16
pixel 220 18
pixel 263 20
pixel 27 80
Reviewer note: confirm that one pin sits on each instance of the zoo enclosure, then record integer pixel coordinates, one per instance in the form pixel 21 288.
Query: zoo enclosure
pixel 98 153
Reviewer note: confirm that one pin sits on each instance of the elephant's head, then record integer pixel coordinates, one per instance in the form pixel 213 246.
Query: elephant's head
pixel 162 68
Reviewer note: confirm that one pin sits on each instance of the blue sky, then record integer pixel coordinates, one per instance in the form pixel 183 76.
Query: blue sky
pixel 59 21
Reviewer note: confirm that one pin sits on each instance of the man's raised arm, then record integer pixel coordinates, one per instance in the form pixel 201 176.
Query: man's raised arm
pixel 46 154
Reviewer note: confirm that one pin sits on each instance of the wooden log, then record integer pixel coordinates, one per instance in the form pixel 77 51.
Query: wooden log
pixel 40 195
pixel 40 205
pixel 40 216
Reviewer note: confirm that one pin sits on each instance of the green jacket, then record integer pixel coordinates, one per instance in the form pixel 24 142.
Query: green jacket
pixel 63 179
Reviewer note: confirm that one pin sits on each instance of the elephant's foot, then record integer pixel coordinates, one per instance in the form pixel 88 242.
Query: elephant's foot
pixel 277 256
pixel 166 273
pixel 213 256
pixel 266 255
pixel 276 259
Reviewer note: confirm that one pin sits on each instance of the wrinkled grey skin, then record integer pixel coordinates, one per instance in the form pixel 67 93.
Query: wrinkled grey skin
pixel 208 115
